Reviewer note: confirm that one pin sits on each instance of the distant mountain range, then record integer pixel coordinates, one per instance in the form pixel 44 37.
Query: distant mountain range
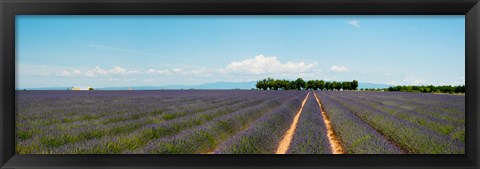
pixel 372 85
pixel 215 85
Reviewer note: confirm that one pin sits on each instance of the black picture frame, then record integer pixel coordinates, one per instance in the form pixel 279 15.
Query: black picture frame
pixel 10 8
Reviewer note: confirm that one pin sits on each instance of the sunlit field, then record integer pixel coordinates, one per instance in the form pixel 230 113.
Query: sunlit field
pixel 239 122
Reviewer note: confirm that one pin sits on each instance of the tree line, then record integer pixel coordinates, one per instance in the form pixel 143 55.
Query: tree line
pixel 300 84
pixel 429 89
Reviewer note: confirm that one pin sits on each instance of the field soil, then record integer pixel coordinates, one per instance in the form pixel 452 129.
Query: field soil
pixel 335 142
pixel 287 138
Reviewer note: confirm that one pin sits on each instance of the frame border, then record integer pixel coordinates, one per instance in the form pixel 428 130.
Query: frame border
pixel 10 8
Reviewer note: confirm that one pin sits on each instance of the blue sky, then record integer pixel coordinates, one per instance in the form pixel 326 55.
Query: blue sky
pixel 101 51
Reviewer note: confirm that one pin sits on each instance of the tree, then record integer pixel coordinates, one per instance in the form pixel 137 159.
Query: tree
pixel 336 85
pixel 90 88
pixel 292 85
pixel 277 84
pixel 354 85
pixel 316 84
pixel 320 84
pixel 409 88
pixel 284 84
pixel 259 85
pixel 339 86
pixel 270 83
pixel 299 84
pixel 328 86
pixel 262 84
pixel 460 89
pixel 346 85
pixel 311 85
pixel 332 86
pixel 427 90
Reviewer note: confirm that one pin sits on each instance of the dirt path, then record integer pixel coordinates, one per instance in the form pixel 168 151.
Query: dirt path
pixel 287 138
pixel 335 143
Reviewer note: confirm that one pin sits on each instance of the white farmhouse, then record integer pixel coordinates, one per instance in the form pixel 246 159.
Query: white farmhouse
pixel 81 88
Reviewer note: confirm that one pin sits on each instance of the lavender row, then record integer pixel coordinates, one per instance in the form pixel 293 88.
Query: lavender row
pixel 357 136
pixel 65 129
pixel 140 137
pixel 72 106
pixel 85 108
pixel 205 138
pixel 440 105
pixel 42 138
pixel 46 143
pixel 310 136
pixel 156 130
pixel 449 107
pixel 263 136
pixel 72 109
pixel 136 140
pixel 80 126
pixel 409 136
pixel 127 113
pixel 438 125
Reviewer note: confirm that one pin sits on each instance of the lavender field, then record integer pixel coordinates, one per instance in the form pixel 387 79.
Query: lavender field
pixel 239 122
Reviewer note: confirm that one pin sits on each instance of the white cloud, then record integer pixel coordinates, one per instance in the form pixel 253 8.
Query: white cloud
pixel 113 79
pixel 201 71
pixel 118 70
pixel 252 68
pixel 266 65
pixel 393 83
pixel 89 74
pixel 76 72
pixel 150 80
pixel 410 80
pixel 456 82
pixel 164 72
pixel 336 68
pixel 177 70
pixel 180 71
pixel 97 71
pixel 64 73
pixel 355 23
